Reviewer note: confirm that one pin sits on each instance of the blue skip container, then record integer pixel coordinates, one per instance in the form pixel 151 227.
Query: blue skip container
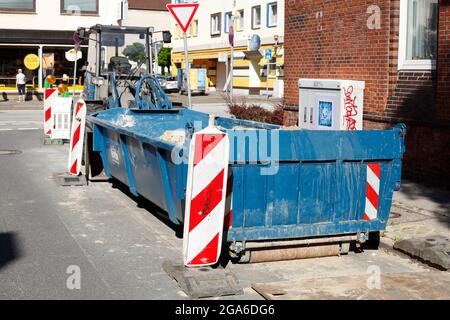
pixel 289 187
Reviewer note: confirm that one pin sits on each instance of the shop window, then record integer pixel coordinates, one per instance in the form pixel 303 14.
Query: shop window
pixel 272 15
pixel 54 62
pixel 215 24
pixel 418 34
pixel 12 59
pixel 18 6
pixel 256 17
pixel 77 6
pixel 280 71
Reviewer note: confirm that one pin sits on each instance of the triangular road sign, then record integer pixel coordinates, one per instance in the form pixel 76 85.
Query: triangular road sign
pixel 183 13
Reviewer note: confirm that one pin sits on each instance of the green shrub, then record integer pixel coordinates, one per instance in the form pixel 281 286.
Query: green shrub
pixel 254 112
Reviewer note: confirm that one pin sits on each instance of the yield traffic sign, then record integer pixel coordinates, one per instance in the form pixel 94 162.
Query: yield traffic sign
pixel 183 13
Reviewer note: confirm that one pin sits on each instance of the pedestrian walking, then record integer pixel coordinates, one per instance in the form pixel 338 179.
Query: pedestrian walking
pixel 20 82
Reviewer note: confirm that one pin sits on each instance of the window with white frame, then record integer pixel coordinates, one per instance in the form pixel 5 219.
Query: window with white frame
pixel 256 17
pixel 227 21
pixel 215 24
pixel 418 34
pixel 240 20
pixel 83 7
pixel 272 14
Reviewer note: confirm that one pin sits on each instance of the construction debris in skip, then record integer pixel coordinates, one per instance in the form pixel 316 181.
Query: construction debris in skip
pixel 174 136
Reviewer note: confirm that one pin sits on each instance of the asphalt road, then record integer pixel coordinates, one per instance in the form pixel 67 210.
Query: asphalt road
pixel 116 241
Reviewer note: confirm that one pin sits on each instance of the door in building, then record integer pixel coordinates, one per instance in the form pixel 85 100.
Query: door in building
pixel 221 76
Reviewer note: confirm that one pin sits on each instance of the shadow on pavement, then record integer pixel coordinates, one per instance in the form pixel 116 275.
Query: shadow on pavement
pixel 145 204
pixel 414 194
pixel 9 249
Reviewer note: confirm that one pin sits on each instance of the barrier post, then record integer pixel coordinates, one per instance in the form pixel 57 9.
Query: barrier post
pixel 77 138
pixel 206 197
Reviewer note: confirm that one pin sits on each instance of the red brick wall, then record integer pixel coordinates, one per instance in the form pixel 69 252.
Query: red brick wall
pixel 330 39
pixel 413 96
pixel 443 63
pixel 338 45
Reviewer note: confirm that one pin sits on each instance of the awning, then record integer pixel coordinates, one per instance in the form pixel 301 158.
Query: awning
pixel 206 55
pixel 38 37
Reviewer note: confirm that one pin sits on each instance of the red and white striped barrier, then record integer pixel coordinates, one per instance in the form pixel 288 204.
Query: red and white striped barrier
pixel 49 95
pixel 206 197
pixel 372 191
pixel 77 138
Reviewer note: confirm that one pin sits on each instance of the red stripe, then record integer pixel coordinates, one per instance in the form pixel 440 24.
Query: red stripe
pixel 48 114
pixel 206 201
pixel 73 169
pixel 209 254
pixel 78 107
pixel 48 93
pixel 372 195
pixel 376 168
pixel 204 144
pixel 366 217
pixel 49 132
pixel 76 137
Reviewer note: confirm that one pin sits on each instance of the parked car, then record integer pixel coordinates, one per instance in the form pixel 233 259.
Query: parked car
pixel 171 84
pixel 168 83
pixel 162 81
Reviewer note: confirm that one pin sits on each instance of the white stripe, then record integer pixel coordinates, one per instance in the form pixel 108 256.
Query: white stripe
pixel 6 129
pixel 27 129
pixel 208 168
pixel 371 211
pixel 373 180
pixel 75 155
pixel 199 238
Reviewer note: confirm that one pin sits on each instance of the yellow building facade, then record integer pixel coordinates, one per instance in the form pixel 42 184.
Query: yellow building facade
pixel 256 22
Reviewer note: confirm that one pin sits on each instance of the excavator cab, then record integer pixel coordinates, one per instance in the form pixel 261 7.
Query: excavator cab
pixel 119 73
pixel 119 59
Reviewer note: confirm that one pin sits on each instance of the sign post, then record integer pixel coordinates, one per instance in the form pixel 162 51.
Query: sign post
pixel 187 73
pixel 157 46
pixel 74 55
pixel 231 40
pixel 268 57
pixel 184 14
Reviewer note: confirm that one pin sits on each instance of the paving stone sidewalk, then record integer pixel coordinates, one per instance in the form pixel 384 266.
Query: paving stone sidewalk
pixel 420 216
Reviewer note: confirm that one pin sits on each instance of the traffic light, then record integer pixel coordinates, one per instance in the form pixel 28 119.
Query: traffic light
pixel 167 37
